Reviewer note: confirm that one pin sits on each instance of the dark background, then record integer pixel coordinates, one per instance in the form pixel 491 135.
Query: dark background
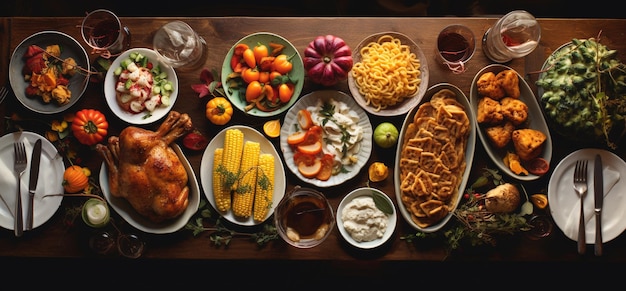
pixel 266 8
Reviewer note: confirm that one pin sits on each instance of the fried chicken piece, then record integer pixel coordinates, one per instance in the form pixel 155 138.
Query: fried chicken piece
pixel 489 86
pixel 500 135
pixel 489 111
pixel 509 81
pixel 514 110
pixel 528 143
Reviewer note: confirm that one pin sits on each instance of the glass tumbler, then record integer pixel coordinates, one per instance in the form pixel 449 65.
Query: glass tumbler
pixel 180 46
pixel 515 35
pixel 455 47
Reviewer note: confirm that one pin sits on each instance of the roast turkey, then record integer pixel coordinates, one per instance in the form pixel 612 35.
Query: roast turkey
pixel 145 170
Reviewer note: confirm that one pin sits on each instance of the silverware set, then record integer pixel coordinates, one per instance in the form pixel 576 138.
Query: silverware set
pixel 580 186
pixel 19 167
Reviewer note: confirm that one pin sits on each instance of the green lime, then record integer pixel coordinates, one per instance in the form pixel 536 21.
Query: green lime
pixel 386 135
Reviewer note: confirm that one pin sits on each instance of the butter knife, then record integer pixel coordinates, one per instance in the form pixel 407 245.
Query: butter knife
pixel 598 193
pixel 32 184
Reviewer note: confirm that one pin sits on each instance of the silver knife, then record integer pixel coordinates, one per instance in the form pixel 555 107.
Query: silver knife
pixel 598 193
pixel 32 184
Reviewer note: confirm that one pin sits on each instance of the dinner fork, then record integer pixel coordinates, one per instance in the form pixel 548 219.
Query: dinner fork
pixel 19 166
pixel 580 185
pixel 3 93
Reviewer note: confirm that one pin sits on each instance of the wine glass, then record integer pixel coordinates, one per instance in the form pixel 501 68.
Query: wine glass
pixel 102 30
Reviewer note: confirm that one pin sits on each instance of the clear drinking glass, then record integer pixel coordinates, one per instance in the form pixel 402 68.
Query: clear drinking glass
pixel 103 31
pixel 180 46
pixel 515 35
pixel 455 47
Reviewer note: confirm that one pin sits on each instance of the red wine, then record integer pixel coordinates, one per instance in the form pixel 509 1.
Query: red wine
pixel 453 47
pixel 104 34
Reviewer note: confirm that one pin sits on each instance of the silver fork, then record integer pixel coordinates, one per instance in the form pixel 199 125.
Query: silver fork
pixel 580 185
pixel 3 93
pixel 19 167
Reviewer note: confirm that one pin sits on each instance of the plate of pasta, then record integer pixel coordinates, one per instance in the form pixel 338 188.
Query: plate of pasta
pixel 346 135
pixel 389 75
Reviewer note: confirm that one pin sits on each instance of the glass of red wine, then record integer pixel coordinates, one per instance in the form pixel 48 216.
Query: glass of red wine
pixel 104 33
pixel 455 47
pixel 515 35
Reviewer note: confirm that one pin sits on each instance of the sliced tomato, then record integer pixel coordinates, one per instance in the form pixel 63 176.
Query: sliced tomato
pixel 296 137
pixel 310 149
pixel 310 171
pixel 327 167
pixel 313 135
pixel 538 166
pixel 299 158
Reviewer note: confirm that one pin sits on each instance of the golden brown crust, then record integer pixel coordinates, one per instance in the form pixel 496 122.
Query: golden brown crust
pixel 489 86
pixel 489 111
pixel 500 135
pixel 528 143
pixel 509 81
pixel 514 110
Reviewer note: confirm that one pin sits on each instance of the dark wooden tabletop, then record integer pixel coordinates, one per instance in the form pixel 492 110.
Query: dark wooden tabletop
pixel 55 240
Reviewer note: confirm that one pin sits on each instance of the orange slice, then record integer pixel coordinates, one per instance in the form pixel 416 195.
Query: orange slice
pixel 311 149
pixel 272 128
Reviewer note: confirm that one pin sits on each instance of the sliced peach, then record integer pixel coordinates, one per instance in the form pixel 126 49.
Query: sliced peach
pixel 304 119
pixel 310 171
pixel 311 149
pixel 296 137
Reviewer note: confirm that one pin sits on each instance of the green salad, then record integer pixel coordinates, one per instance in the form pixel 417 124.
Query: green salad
pixel 584 91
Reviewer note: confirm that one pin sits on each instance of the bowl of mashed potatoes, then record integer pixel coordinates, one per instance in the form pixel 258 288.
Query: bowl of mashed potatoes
pixel 366 218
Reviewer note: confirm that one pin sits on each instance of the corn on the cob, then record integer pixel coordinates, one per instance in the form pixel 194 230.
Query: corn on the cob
pixel 233 147
pixel 221 195
pixel 264 190
pixel 244 194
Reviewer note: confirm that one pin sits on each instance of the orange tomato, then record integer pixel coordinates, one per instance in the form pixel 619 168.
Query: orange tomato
pixel 250 74
pixel 253 91
pixel 264 77
pixel 274 74
pixel 260 51
pixel 282 64
pixel 285 91
pixel 248 57
pixel 240 48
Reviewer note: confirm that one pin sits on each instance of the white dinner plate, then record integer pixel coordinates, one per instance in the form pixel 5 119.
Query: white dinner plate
pixel 564 203
pixel 143 117
pixel 50 179
pixel 291 119
pixel 128 213
pixel 206 172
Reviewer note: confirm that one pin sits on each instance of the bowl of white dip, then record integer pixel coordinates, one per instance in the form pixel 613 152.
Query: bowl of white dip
pixel 366 218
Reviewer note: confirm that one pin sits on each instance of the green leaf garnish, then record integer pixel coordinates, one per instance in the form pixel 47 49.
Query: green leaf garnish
pixel 381 203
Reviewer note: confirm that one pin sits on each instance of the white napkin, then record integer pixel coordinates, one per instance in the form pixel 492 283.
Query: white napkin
pixel 611 177
pixel 48 181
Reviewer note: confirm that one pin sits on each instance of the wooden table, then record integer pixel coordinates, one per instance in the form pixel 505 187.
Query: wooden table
pixel 54 241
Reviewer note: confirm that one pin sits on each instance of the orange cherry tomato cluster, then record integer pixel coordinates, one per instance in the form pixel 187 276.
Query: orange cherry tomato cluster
pixel 261 74
pixel 307 145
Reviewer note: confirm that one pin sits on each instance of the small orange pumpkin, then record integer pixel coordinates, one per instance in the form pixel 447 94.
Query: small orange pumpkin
pixel 75 179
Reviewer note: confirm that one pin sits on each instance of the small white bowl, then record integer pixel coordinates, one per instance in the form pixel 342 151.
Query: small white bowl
pixel 391 223
pixel 143 117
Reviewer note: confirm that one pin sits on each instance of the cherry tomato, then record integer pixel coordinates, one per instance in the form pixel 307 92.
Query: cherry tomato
pixel 250 74
pixel 253 91
pixel 538 166
pixel 282 64
pixel 299 157
pixel 240 48
pixel 248 57
pixel 260 51
pixel 285 91
pixel 264 77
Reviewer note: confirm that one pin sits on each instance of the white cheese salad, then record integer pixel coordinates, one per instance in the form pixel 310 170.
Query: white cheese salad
pixel 141 85
pixel 342 133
